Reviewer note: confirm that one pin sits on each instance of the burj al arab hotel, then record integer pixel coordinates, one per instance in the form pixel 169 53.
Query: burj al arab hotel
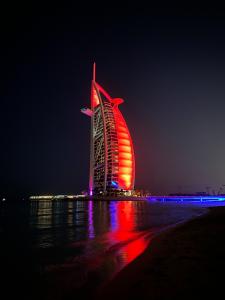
pixel 112 161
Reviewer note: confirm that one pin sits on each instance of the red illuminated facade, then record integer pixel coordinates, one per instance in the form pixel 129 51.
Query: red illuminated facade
pixel 112 162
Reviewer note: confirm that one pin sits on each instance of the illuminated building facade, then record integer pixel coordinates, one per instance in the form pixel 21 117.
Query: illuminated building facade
pixel 112 162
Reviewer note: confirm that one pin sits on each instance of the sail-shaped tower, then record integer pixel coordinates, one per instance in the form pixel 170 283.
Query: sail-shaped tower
pixel 112 161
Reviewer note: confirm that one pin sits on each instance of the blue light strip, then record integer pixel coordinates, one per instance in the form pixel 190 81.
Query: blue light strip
pixel 188 198
pixel 114 184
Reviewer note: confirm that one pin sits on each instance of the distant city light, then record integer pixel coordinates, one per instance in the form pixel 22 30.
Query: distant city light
pixel 55 197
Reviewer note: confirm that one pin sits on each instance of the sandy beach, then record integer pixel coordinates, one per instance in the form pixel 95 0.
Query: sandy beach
pixel 184 262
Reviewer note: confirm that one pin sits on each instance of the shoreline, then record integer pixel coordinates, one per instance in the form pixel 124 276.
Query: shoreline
pixel 178 261
pixel 162 199
pixel 94 198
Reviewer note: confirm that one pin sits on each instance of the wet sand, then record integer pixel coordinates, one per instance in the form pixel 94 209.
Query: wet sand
pixel 185 262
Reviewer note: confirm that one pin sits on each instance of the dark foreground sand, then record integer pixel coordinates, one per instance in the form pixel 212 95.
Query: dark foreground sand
pixel 186 262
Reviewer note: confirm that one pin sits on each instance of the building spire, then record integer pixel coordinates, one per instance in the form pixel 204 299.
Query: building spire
pixel 94 72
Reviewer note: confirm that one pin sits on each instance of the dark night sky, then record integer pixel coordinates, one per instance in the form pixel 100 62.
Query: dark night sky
pixel 170 70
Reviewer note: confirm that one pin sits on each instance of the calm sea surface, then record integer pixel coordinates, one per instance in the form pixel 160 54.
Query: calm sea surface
pixel 85 243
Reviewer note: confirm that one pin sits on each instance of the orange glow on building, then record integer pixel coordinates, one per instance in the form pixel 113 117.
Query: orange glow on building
pixel 125 142
pixel 125 156
pixel 122 135
pixel 94 97
pixel 125 162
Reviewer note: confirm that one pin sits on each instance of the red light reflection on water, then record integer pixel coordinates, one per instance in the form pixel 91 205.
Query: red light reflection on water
pixel 124 231
pixel 134 249
pixel 104 254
